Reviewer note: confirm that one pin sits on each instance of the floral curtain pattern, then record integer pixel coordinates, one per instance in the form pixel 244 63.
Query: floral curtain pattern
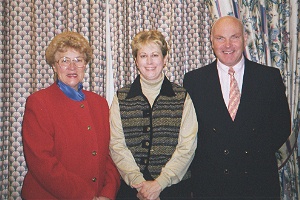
pixel 273 40
pixel 28 26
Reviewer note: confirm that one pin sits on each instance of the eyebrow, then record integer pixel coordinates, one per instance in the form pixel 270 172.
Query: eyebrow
pixel 70 58
pixel 147 53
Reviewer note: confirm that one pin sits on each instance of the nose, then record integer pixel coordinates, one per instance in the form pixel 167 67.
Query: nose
pixel 72 65
pixel 227 43
pixel 149 60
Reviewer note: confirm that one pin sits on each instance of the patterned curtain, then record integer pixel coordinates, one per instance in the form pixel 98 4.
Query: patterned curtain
pixel 185 24
pixel 274 40
pixel 26 28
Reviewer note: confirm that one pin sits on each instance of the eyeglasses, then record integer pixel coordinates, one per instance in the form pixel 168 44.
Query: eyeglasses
pixel 65 62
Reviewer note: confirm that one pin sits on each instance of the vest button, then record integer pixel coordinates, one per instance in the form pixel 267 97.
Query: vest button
pixel 145 144
pixel 94 153
pixel 146 129
pixel 94 179
pixel 82 106
pixel 146 113
pixel 226 171
pixel 89 128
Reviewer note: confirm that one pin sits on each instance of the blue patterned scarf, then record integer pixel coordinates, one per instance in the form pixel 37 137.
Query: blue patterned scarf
pixel 70 92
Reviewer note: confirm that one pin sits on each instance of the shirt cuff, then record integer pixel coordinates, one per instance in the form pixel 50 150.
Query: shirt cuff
pixel 163 181
pixel 138 180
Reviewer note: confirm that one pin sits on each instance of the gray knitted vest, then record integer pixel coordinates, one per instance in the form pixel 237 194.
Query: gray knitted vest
pixel 151 134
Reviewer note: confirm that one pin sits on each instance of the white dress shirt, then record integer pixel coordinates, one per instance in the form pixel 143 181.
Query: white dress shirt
pixel 224 77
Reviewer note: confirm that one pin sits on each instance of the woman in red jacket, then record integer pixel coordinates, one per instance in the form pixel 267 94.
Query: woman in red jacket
pixel 66 131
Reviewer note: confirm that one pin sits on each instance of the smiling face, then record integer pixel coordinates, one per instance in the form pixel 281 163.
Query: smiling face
pixel 150 61
pixel 71 75
pixel 228 40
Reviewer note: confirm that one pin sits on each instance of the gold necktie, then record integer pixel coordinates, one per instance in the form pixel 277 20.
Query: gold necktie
pixel 234 95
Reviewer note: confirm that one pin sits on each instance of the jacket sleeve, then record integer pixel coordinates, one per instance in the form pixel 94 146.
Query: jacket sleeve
pixel 280 116
pixel 112 176
pixel 112 180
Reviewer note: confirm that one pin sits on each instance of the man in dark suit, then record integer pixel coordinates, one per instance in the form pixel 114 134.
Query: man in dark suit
pixel 235 158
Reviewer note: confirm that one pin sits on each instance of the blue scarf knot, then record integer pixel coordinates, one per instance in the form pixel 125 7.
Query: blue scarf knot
pixel 70 92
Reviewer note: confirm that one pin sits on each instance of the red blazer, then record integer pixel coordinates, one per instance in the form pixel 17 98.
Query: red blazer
pixel 66 147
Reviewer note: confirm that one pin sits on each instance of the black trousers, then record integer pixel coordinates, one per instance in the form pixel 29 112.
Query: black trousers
pixel 179 191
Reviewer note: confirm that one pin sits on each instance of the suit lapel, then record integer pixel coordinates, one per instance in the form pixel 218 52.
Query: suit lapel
pixel 248 93
pixel 217 95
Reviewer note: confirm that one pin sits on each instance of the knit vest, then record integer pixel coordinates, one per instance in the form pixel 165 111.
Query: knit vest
pixel 151 134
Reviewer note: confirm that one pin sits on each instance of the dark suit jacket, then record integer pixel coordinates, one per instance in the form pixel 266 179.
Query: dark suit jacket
pixel 237 159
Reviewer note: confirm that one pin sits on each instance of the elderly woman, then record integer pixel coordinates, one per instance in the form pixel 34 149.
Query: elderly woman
pixel 153 127
pixel 66 131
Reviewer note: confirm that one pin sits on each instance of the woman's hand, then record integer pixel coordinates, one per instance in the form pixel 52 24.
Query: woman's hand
pixel 148 190
pixel 101 198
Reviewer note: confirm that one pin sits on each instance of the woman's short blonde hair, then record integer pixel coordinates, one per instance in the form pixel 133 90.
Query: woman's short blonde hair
pixel 146 37
pixel 65 40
